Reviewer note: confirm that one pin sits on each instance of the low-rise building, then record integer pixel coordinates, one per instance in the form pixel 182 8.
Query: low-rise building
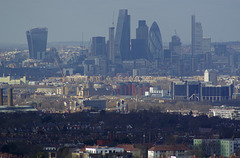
pixel 232 113
pixel 167 151
pixel 223 147
pixel 12 81
pixel 100 151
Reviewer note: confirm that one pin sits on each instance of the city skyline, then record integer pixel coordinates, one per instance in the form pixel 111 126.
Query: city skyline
pixel 67 21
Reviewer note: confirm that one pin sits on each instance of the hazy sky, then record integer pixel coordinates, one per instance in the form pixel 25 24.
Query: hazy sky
pixel 66 20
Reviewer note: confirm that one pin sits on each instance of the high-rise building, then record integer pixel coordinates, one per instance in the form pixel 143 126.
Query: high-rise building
pixel 175 44
pixel 206 45
pixel 197 36
pixel 139 49
pixel 155 43
pixel 98 47
pixel 139 46
pixel 111 51
pixel 122 38
pixel 142 30
pixel 37 43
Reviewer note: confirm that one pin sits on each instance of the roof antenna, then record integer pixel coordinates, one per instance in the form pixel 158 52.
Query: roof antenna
pixel 175 32
pixel 113 20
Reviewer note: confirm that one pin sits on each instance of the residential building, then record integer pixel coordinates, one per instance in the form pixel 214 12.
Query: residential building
pixel 232 113
pixel 167 151
pixel 223 147
pixel 100 151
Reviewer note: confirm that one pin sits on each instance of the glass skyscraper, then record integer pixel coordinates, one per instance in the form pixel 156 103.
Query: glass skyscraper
pixel 155 43
pixel 197 36
pixel 37 42
pixel 98 47
pixel 122 38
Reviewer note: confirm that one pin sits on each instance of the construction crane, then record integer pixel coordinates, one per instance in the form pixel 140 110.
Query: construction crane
pixel 63 75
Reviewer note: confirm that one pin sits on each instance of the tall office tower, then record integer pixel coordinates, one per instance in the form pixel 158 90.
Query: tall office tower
pixel 175 44
pixel 142 30
pixel 155 43
pixel 98 47
pixel 37 43
pixel 111 53
pixel 122 38
pixel 206 45
pixel 197 35
pixel 140 44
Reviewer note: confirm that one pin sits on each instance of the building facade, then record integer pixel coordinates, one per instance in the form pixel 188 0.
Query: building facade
pixel 155 43
pixel 37 43
pixel 223 147
pixel 168 151
pixel 197 36
pixel 122 38
pixel 98 47
pixel 195 90
pixel 210 75
pixel 111 50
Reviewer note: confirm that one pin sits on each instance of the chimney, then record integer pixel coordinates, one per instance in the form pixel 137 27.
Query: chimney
pixel 10 97
pixel 1 96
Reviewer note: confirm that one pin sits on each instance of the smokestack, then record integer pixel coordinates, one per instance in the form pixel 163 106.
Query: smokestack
pixel 1 96
pixel 10 97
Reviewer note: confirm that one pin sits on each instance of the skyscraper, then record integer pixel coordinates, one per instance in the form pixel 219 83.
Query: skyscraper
pixel 111 51
pixel 175 44
pixel 139 46
pixel 37 42
pixel 122 38
pixel 197 35
pixel 142 30
pixel 155 43
pixel 98 47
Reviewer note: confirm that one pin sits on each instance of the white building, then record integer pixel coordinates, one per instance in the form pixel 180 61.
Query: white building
pixel 103 150
pixel 157 92
pixel 224 112
pixel 210 75
pixel 168 151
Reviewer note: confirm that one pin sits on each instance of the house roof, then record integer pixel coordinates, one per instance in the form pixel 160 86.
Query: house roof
pixel 128 147
pixel 168 148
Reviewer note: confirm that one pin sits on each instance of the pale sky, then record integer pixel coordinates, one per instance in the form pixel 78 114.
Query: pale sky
pixel 67 20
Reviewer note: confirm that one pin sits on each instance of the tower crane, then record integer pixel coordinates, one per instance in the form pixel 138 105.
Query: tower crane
pixel 63 75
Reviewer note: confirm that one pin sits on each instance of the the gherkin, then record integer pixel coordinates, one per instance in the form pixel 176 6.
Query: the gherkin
pixel 155 43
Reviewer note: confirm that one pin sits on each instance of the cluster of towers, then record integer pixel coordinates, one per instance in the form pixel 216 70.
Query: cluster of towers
pixel 147 45
pixel 111 56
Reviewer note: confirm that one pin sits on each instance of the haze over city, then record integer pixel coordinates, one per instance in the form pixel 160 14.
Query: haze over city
pixel 69 20
pixel 120 79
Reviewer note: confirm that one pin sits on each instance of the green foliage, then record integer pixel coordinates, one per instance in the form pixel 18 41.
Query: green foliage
pixel 64 152
pixel 20 148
